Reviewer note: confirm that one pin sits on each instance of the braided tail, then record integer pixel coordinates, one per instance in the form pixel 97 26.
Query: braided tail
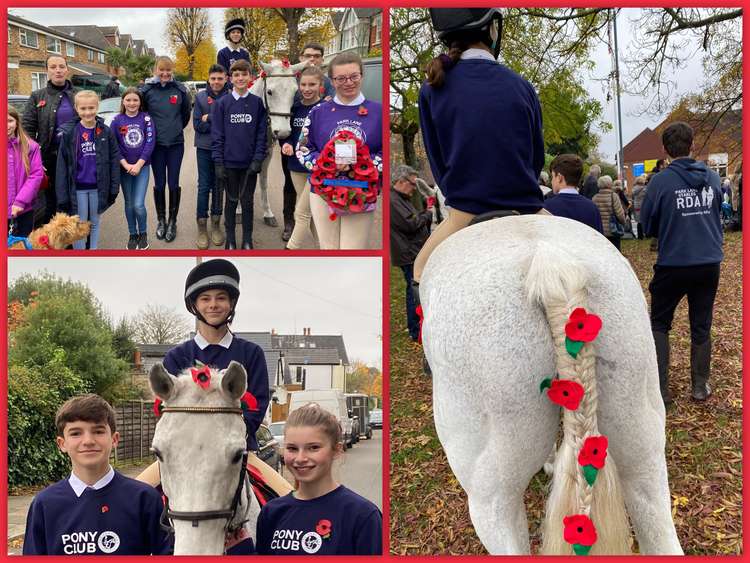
pixel 557 281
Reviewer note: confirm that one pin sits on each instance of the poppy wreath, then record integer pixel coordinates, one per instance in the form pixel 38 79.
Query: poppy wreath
pixel 358 191
pixel 580 532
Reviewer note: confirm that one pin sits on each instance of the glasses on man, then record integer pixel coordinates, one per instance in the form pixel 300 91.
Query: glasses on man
pixel 312 56
pixel 353 78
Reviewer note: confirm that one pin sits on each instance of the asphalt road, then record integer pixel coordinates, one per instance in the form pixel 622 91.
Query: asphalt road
pixel 113 230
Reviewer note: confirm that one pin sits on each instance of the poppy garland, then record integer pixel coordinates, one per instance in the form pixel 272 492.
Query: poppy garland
pixel 358 191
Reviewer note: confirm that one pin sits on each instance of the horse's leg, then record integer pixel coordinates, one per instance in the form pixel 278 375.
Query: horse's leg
pixel 268 217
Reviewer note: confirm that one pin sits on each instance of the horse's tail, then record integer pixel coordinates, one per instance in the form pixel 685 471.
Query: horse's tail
pixel 557 281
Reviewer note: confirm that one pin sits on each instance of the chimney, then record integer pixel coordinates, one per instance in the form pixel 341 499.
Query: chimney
pixel 273 332
pixel 137 358
pixel 309 333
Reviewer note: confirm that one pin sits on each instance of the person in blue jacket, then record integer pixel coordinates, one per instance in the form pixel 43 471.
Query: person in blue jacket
pixel 566 171
pixel 682 208
pixel 207 181
pixel 97 510
pixel 481 124
pixel 234 31
pixel 320 517
pixel 168 103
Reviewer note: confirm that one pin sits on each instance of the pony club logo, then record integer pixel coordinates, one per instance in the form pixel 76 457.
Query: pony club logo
pixel 77 543
pixel 296 540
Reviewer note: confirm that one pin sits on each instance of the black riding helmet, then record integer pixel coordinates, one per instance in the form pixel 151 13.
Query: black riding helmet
pixel 212 274
pixel 449 22
pixel 231 25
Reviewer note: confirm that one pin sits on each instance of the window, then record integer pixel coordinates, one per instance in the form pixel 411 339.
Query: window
pixel 54 45
pixel 70 49
pixel 377 21
pixel 38 80
pixel 8 34
pixel 90 54
pixel 28 38
pixel 101 58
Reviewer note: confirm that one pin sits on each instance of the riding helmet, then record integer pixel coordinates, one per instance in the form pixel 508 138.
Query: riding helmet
pixel 448 21
pixel 231 25
pixel 212 274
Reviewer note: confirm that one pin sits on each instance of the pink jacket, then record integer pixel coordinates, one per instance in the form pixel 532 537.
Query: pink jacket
pixel 22 189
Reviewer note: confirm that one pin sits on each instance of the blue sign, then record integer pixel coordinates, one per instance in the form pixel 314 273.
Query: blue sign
pixel 639 169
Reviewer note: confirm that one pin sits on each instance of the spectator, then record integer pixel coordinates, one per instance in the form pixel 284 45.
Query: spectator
pixel 409 230
pixel 639 192
pixel 617 188
pixel 590 185
pixel 25 175
pixel 566 170
pixel 611 210
pixel 683 207
pixel 112 89
pixel 544 184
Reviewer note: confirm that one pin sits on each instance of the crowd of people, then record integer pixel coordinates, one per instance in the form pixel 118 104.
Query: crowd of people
pixel 65 158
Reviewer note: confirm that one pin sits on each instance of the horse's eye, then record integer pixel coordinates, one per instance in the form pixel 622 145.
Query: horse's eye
pixel 238 456
pixel 270 92
pixel 157 453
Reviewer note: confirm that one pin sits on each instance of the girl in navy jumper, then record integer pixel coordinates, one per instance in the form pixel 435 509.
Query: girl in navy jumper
pixel 136 136
pixel 348 111
pixel 481 123
pixel 168 103
pixel 321 517
pixel 238 144
pixel 310 86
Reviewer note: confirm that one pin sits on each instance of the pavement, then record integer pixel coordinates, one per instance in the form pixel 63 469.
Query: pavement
pixel 113 230
pixel 360 469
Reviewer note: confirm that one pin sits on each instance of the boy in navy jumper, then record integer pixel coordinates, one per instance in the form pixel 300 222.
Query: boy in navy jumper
pixel 207 182
pixel 238 144
pixel 96 511
pixel 566 170
pixel 682 208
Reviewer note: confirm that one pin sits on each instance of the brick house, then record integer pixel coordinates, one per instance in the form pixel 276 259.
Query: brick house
pixel 357 29
pixel 29 45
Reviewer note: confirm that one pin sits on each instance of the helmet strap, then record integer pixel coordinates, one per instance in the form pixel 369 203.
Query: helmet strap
pixel 227 321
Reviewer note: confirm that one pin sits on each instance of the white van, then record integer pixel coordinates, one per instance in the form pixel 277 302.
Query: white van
pixel 331 400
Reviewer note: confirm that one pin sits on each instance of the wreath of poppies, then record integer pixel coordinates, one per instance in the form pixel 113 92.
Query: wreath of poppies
pixel 582 327
pixel 357 192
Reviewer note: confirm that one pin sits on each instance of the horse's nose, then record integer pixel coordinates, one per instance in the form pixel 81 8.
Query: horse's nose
pixel 275 132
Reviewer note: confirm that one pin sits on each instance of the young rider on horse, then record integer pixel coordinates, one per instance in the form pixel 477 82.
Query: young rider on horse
pixel 481 123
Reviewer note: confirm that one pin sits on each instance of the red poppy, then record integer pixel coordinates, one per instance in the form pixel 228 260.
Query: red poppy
pixel 249 401
pixel 157 407
pixel 363 168
pixel 41 103
pixel 357 204
pixel 326 165
pixel 420 316
pixel 322 89
pixel 594 451
pixel 341 196
pixel 579 529
pixel 105 508
pixel 263 74
pixel 202 376
pixel 44 241
pixel 332 216
pixel 362 110
pixel 124 130
pixel 285 63
pixel 210 100
pixel 173 99
pixel 328 153
pixel 315 179
pixel 98 130
pixel 345 135
pixel 363 151
pixel 324 528
pixel 85 135
pixel 582 326
pixel 566 393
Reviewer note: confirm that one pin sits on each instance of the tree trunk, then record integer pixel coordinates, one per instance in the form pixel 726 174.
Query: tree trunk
pixel 410 154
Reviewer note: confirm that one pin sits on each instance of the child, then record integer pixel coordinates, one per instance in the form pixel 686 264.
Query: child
pixel 168 103
pixel 321 517
pixel 207 182
pixel 566 171
pixel 88 166
pixel 96 511
pixel 234 31
pixel 135 134
pixel 310 83
pixel 25 175
pixel 238 143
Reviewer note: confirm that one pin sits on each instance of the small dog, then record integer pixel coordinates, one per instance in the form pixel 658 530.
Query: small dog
pixel 62 231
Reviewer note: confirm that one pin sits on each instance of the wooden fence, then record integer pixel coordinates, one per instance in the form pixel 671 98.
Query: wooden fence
pixel 135 423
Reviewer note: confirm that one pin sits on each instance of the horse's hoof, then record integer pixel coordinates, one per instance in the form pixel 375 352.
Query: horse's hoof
pixel 271 221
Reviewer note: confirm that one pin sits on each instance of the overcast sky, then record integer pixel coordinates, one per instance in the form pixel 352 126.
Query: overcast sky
pixel 329 295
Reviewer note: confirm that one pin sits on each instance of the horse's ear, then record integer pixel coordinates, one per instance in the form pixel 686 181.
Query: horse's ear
pixel 234 382
pixel 161 382
pixel 265 66
pixel 300 66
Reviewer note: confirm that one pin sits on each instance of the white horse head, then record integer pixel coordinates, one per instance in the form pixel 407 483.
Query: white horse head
pixel 277 86
pixel 200 443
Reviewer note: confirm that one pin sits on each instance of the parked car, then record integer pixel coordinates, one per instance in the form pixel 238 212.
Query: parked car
pixel 372 79
pixel 95 82
pixel 331 400
pixel 268 448
pixel 359 404
pixel 376 418
pixel 195 86
pixel 18 101
pixel 108 109
pixel 277 429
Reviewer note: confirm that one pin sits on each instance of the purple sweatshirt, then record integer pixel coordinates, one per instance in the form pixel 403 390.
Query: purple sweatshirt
pixel 328 118
pixel 22 187
pixel 65 113
pixel 135 135
pixel 86 158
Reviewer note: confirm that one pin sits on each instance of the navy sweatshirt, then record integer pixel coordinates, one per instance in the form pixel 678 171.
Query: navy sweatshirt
pixel 226 58
pixel 682 208
pixel 483 134
pixel 238 131
pixel 248 354
pixel 204 103
pixel 577 207
pixel 169 106
pixel 338 523
pixel 299 114
pixel 122 518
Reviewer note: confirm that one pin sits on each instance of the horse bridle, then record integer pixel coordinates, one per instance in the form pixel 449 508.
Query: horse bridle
pixel 265 95
pixel 195 517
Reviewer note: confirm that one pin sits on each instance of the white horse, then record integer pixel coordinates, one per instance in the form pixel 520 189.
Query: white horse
pixel 496 297
pixel 200 444
pixel 277 89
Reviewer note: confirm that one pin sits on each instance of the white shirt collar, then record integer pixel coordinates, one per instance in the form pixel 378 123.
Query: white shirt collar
pixel 225 342
pixel 355 102
pixel 236 96
pixel 477 54
pixel 568 191
pixel 79 486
